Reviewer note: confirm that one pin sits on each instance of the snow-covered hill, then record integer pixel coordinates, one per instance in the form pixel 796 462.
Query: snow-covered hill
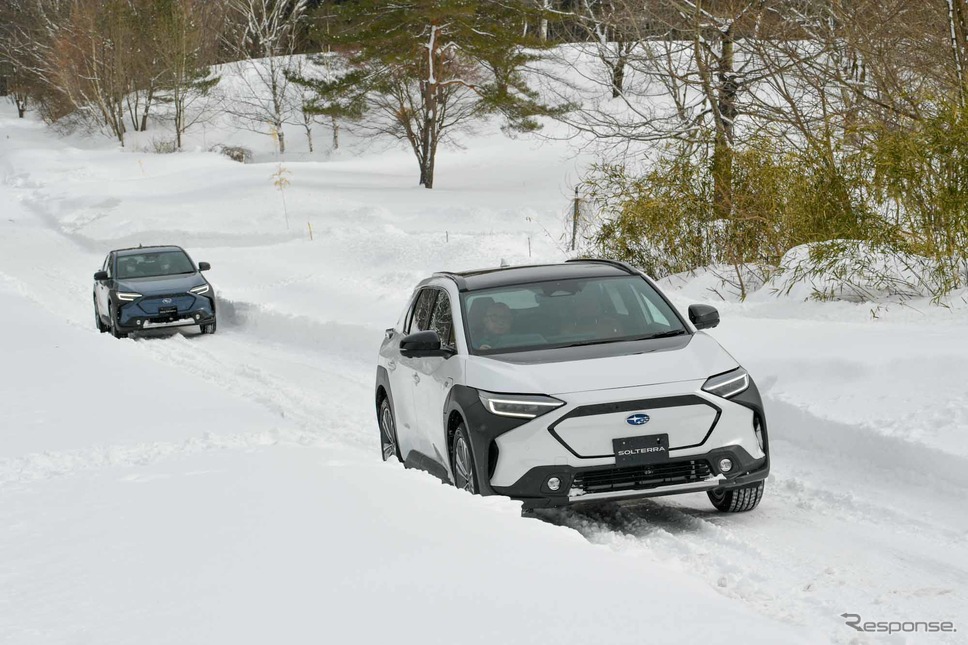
pixel 228 489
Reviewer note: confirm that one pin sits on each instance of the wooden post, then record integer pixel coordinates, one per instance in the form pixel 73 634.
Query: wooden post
pixel 574 219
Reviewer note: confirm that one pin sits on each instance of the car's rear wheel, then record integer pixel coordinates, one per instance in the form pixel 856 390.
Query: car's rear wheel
pixel 101 327
pixel 462 461
pixel 737 500
pixel 209 328
pixel 388 432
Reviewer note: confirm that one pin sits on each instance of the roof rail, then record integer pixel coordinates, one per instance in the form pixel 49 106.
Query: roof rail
pixel 628 268
pixel 458 279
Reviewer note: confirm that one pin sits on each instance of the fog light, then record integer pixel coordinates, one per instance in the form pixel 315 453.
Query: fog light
pixel 197 316
pixel 140 322
pixel 725 465
pixel 554 483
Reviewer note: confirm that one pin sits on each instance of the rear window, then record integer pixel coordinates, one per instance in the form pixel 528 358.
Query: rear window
pixel 566 313
pixel 151 264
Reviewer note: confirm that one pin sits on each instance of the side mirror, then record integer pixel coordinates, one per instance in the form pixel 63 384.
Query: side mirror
pixel 204 266
pixel 423 344
pixel 703 316
pixel 101 276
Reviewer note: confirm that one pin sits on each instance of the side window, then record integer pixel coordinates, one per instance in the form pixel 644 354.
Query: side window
pixel 421 311
pixel 408 318
pixel 657 315
pixel 107 266
pixel 442 321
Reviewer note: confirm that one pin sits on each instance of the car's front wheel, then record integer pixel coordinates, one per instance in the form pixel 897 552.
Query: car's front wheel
pixel 462 460
pixel 117 333
pixel 209 328
pixel 388 431
pixel 737 500
pixel 101 327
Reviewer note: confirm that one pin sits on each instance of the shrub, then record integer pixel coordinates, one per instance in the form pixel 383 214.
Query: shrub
pixel 235 153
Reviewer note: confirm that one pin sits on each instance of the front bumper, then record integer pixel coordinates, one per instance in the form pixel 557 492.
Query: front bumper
pixel 516 458
pixel 596 484
pixel 186 310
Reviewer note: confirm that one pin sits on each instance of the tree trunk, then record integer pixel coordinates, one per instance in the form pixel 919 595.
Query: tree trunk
pixel 957 30
pixel 726 117
pixel 544 21
pixel 618 76
pixel 144 115
pixel 427 134
pixel 118 124
pixel 282 139
pixel 428 174
pixel 179 118
pixel 335 133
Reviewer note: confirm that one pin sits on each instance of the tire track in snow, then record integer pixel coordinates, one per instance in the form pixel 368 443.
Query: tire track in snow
pixel 325 398
pixel 833 533
pixel 47 465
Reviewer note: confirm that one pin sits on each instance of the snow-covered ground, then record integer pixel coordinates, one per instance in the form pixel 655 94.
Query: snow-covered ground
pixel 228 489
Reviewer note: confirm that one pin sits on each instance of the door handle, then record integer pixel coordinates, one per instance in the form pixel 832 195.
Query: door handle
pixel 416 378
pixel 391 365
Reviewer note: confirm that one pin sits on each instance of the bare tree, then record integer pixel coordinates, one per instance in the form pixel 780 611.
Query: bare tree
pixel 683 75
pixel 266 39
pixel 27 32
pixel 91 62
pixel 184 43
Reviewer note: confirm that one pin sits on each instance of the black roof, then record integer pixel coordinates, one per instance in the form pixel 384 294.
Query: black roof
pixel 142 249
pixel 508 276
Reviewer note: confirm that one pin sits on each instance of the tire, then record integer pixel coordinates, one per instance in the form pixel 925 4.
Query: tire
pixel 737 500
pixel 209 328
pixel 462 461
pixel 388 432
pixel 101 327
pixel 117 333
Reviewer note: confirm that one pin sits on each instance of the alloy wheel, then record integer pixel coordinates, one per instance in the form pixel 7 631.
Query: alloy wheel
pixel 388 435
pixel 463 463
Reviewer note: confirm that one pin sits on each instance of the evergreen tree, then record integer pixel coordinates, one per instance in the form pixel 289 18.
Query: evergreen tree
pixel 422 68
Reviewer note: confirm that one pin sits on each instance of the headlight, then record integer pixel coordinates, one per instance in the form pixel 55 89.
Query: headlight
pixel 199 290
pixel 729 384
pixel 521 406
pixel 128 297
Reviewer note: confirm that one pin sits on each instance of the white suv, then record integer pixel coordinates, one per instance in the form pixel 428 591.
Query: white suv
pixel 568 383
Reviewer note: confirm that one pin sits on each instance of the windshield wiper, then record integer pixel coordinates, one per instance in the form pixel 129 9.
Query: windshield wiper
pixel 627 339
pixel 665 334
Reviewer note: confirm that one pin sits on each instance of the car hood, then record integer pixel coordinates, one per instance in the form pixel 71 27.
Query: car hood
pixel 159 285
pixel 687 358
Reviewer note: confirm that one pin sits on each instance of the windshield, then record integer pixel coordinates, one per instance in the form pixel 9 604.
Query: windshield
pixel 152 264
pixel 566 313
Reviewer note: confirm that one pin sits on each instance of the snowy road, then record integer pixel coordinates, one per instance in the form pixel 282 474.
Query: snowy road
pixel 181 488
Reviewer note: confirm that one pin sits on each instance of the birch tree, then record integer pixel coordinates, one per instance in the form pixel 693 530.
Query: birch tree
pixel 266 40
pixel 184 44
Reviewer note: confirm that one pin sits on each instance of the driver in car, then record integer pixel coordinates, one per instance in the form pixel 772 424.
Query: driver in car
pixel 497 323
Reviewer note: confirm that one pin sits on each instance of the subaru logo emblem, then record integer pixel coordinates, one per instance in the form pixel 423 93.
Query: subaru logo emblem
pixel 637 419
pixel 166 301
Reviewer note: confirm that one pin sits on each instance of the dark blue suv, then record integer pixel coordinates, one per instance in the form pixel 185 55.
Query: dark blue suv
pixel 151 287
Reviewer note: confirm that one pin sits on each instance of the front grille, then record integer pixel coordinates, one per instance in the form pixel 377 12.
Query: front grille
pixel 153 304
pixel 642 477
